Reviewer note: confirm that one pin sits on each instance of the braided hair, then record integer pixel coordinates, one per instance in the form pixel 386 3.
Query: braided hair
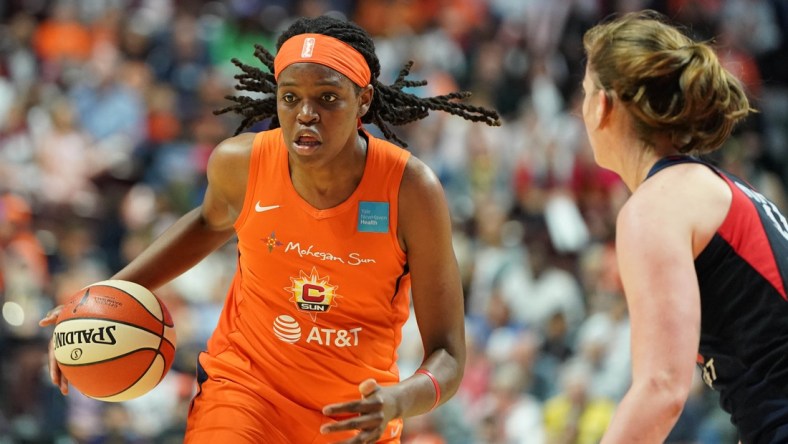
pixel 390 105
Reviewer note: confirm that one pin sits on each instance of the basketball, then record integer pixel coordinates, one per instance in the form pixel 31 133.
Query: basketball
pixel 114 340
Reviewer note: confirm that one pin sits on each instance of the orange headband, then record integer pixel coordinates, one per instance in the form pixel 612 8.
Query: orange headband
pixel 323 50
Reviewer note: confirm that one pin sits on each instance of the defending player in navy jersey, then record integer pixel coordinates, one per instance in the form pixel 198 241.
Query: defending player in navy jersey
pixel 703 257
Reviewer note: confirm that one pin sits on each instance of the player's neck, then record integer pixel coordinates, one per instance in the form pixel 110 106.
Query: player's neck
pixel 328 185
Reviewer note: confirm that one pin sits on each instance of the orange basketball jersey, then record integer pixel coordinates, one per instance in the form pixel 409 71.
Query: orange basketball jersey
pixel 320 296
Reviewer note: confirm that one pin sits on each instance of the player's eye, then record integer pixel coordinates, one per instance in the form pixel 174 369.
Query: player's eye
pixel 329 98
pixel 288 98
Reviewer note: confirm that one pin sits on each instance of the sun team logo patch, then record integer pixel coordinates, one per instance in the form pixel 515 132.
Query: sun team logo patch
pixel 313 294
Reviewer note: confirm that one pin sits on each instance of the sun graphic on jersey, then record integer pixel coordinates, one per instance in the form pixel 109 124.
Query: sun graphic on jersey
pixel 312 294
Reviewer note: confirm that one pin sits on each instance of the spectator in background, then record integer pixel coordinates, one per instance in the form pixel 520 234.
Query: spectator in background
pixel 575 415
pixel 537 292
pixel 67 162
pixel 507 413
pixel 62 41
pixel 24 278
pixel 23 265
pixel 109 109
pixel 18 170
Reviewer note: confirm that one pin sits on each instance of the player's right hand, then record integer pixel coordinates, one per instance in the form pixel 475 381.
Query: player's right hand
pixel 54 371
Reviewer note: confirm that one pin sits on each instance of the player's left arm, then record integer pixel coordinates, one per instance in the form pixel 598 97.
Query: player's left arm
pixel 425 233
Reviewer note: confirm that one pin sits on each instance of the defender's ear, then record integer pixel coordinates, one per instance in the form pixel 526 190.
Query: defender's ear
pixel 604 107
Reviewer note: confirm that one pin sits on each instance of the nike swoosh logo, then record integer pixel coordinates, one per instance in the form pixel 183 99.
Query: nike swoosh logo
pixel 395 430
pixel 260 209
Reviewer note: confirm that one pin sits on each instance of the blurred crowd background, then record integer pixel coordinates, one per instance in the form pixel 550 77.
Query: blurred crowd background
pixel 106 125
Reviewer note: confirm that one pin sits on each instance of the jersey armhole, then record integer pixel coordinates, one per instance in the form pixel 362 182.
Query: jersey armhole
pixel 251 184
pixel 397 176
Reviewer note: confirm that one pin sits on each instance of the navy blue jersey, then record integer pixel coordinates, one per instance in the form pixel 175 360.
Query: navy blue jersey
pixel 742 275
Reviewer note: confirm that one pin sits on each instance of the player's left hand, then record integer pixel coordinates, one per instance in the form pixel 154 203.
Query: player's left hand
pixel 371 413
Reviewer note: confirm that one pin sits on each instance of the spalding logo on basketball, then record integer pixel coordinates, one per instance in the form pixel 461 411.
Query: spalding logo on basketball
pixel 114 340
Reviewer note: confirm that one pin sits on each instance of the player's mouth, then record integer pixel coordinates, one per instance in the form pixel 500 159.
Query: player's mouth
pixel 307 141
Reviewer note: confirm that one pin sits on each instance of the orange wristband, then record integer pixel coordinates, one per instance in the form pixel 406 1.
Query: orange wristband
pixel 435 384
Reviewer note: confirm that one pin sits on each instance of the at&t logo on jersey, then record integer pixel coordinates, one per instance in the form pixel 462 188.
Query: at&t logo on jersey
pixel 313 294
pixel 288 330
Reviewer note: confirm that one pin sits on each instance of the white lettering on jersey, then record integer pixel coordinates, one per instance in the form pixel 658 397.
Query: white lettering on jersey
pixel 709 373
pixel 333 337
pixel 355 259
pixel 296 246
pixel 352 259
pixel 774 214
pixel 287 329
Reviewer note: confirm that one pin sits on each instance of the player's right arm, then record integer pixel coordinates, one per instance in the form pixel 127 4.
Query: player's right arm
pixel 654 239
pixel 205 228
pixel 190 239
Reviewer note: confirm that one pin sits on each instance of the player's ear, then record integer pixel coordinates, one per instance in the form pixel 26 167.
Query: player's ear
pixel 365 99
pixel 604 106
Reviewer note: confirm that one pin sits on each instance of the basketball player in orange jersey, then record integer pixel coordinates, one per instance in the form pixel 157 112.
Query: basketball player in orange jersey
pixel 335 230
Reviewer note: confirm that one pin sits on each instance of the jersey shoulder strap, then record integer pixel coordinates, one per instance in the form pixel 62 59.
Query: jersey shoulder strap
pixel 669 161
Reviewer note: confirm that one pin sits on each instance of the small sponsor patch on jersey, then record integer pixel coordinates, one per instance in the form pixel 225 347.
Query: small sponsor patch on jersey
pixel 373 217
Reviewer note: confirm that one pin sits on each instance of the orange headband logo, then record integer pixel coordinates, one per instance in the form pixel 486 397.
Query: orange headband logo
pixel 326 51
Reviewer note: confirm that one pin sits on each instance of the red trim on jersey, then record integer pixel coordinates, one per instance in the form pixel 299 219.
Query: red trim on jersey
pixel 743 230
